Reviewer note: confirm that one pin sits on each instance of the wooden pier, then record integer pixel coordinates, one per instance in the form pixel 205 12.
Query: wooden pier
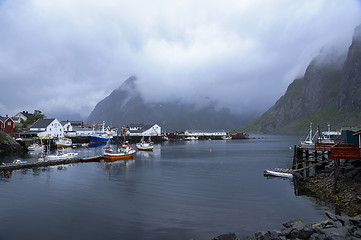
pixel 307 159
pixel 39 164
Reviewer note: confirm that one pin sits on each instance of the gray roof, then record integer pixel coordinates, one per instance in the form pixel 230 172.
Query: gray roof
pixel 3 119
pixel 42 123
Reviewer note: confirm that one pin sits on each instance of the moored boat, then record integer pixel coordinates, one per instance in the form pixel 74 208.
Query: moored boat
pixel 122 153
pixel 63 143
pixel 35 147
pixel 96 158
pixel 15 162
pixel 103 136
pixel 278 172
pixel 145 146
pixel 191 138
pixel 61 155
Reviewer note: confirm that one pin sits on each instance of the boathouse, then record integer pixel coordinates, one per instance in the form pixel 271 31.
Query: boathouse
pixel 350 146
pixel 6 124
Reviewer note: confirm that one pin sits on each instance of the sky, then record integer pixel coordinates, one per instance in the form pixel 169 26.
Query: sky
pixel 63 57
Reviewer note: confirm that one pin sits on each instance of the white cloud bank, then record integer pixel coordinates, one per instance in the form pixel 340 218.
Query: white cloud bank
pixel 62 57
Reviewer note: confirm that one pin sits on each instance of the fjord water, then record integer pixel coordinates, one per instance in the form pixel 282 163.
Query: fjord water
pixel 182 190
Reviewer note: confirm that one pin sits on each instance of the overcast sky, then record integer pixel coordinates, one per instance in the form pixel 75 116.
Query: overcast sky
pixel 62 57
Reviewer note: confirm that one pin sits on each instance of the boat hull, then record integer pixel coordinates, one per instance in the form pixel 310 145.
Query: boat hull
pixel 150 149
pixel 92 158
pixel 94 139
pixel 109 157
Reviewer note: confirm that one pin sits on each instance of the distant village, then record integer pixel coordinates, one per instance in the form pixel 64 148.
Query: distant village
pixel 32 125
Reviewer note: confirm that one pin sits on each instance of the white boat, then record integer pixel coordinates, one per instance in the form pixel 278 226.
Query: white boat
pixel 309 142
pixel 278 172
pixel 191 138
pixel 145 146
pixel 61 155
pixel 35 147
pixel 63 142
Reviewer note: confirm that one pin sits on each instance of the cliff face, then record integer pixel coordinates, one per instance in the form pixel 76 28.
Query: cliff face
pixel 329 92
pixel 125 105
pixel 350 94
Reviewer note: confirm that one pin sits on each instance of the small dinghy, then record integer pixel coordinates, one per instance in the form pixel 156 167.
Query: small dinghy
pixel 279 172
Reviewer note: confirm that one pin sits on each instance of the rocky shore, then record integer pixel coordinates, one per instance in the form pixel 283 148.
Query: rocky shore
pixel 333 228
pixel 344 197
pixel 8 144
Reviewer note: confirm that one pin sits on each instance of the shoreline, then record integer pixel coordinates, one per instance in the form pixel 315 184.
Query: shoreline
pixel 344 199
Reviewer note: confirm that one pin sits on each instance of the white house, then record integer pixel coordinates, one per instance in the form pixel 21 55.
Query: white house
pixel 67 127
pixel 144 130
pixel 49 127
pixel 21 116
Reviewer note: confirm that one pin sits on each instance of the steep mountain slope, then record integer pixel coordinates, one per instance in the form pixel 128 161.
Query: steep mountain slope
pixel 329 92
pixel 125 105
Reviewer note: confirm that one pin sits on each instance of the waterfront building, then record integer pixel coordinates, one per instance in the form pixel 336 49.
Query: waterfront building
pixel 6 124
pixel 50 127
pixel 144 130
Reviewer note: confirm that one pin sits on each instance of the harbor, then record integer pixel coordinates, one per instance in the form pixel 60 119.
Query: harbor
pixel 173 181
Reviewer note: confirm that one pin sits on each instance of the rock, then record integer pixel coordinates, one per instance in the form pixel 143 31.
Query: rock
pixel 228 236
pixel 8 144
pixel 290 224
pixel 330 215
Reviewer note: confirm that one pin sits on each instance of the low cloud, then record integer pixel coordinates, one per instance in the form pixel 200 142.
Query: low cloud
pixel 63 57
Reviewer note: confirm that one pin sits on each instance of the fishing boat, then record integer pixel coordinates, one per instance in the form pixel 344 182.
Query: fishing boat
pixel 35 147
pixel 145 146
pixel 278 172
pixel 309 142
pixel 96 158
pixel 122 153
pixel 63 143
pixel 102 136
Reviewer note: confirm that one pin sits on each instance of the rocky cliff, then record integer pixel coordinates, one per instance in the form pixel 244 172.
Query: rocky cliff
pixel 8 144
pixel 329 92
pixel 125 105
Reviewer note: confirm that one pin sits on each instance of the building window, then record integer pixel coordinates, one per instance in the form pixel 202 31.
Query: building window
pixel 9 123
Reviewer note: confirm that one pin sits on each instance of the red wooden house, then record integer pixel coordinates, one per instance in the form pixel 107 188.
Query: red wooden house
pixel 6 124
pixel 348 150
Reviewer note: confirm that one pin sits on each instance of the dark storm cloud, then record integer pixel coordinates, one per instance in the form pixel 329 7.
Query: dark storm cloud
pixel 64 56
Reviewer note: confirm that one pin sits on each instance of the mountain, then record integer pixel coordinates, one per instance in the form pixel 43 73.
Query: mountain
pixel 125 105
pixel 329 92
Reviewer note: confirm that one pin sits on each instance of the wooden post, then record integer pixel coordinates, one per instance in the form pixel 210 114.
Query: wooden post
pixel 294 157
pixel 336 173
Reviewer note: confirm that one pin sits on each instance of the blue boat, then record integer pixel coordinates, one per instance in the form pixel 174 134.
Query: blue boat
pixel 102 136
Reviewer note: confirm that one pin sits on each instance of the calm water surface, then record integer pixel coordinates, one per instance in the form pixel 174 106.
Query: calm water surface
pixel 183 190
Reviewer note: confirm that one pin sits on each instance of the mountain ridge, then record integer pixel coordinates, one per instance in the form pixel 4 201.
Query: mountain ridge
pixel 125 105
pixel 328 93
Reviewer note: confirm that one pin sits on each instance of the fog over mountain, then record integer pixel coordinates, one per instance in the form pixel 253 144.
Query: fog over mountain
pixel 328 93
pixel 125 105
pixel 64 57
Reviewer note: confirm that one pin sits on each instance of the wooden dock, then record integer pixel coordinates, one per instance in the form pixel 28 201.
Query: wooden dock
pixel 39 164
